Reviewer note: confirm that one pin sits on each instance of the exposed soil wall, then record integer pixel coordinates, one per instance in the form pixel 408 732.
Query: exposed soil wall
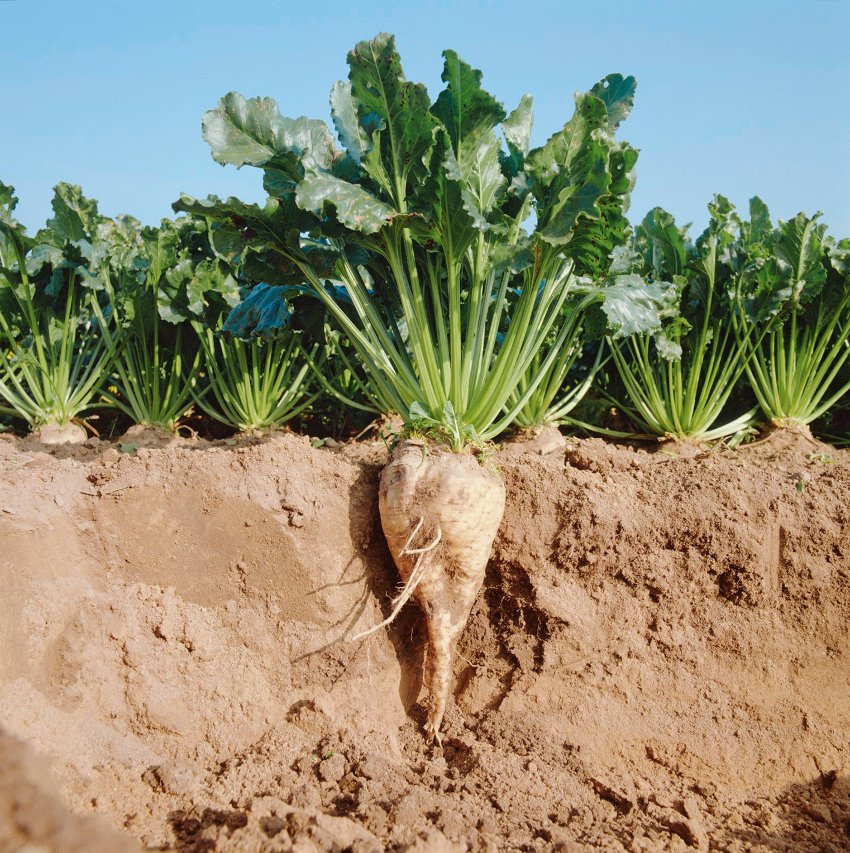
pixel 659 660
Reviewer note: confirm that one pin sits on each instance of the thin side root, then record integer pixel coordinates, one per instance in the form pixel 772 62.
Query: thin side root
pixel 412 582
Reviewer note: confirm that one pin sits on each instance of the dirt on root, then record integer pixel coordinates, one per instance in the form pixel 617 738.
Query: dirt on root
pixel 659 659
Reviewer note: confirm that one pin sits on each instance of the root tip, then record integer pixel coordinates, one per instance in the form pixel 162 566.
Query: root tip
pixel 433 735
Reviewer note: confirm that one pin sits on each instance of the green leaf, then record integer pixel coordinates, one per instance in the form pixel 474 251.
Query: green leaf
pixel 662 244
pixel 469 115
pixel 631 306
pixel 75 216
pixel 618 95
pixel 265 312
pixel 622 163
pixel 759 226
pixel 161 247
pixel 511 258
pixel 353 137
pixel 452 225
pixel 13 239
pixel 517 126
pixel 723 228
pixel 8 199
pixel 839 258
pixel 799 243
pixel 252 132
pixel 404 136
pixel 570 172
pixel 355 208
pixel 479 174
pixel 463 106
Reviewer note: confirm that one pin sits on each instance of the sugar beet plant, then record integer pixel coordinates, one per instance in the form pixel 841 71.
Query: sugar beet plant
pixel 151 284
pixel 55 346
pixel 605 295
pixel 792 282
pixel 442 255
pixel 258 368
pixel 679 379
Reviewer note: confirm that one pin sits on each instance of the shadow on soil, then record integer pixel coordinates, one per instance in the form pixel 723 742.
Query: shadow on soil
pixel 812 816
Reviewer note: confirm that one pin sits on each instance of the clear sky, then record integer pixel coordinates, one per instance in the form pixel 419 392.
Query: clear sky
pixel 742 98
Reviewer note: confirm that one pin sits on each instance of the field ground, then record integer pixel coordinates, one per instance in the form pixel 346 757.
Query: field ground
pixel 659 659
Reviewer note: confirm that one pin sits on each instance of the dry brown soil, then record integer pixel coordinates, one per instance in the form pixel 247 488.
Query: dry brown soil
pixel 659 659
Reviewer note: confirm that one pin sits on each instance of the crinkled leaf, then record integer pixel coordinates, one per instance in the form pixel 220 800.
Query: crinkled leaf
pixel 355 208
pixel 44 255
pixel 172 298
pixel 517 126
pixel 463 106
pixel 759 226
pixel 595 238
pixel 120 245
pixel 189 287
pixel 788 271
pixel 631 305
pixel 209 281
pixel 355 139
pixel 577 198
pixel 624 259
pixel 263 266
pixel 8 201
pixel 270 224
pixel 404 137
pixel 618 95
pixel 252 132
pixel 662 244
pixel 570 172
pixel 550 165
pixel 75 216
pixel 265 312
pixel 511 258
pixel 799 243
pixel 839 258
pixel 667 346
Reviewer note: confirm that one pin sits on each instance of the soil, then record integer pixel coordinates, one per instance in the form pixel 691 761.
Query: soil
pixel 659 658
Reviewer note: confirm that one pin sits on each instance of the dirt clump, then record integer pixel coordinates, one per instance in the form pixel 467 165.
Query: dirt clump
pixel 658 659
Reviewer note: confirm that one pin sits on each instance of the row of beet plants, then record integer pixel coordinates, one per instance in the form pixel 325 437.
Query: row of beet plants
pixel 428 269
pixel 483 284
pixel 104 313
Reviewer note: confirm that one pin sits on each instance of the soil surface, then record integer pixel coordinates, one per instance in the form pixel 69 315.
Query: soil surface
pixel 659 659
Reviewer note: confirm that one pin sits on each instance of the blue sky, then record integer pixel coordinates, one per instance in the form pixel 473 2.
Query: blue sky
pixel 741 98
